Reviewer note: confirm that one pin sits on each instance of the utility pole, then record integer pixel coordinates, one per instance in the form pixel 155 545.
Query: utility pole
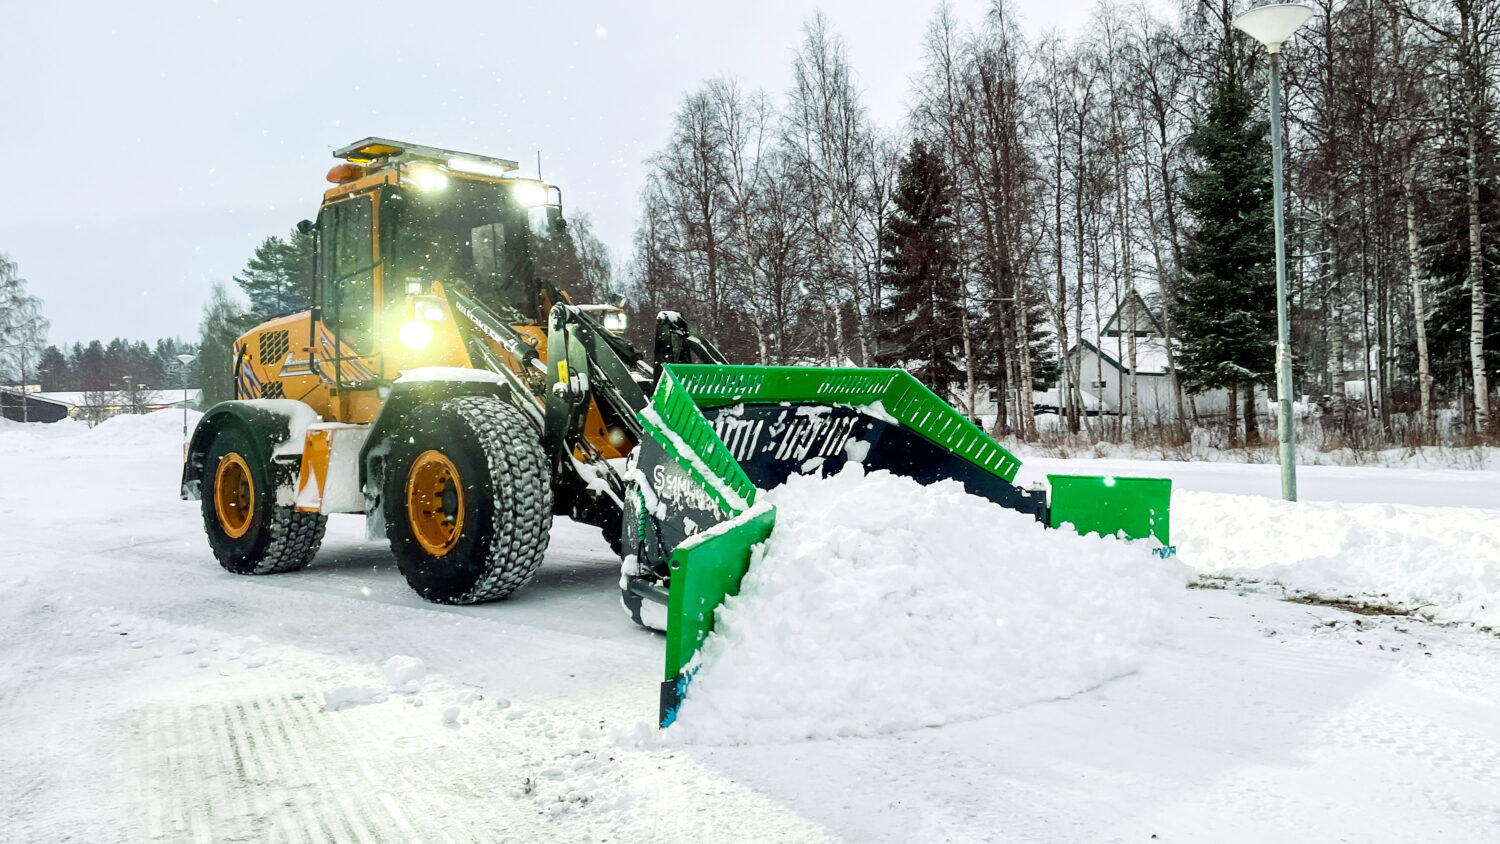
pixel 1272 25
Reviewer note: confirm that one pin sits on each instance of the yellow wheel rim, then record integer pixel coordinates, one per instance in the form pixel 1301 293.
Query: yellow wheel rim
pixel 434 503
pixel 234 495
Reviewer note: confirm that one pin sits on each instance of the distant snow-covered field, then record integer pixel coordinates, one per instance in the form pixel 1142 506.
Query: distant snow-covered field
pixel 962 674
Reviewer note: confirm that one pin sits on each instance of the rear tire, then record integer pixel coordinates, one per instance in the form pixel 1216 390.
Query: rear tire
pixel 248 532
pixel 467 500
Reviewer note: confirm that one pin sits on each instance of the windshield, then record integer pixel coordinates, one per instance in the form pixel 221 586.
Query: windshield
pixel 471 233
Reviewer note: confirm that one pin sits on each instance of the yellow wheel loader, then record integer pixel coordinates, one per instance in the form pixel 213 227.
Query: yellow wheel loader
pixel 419 388
pixel 444 388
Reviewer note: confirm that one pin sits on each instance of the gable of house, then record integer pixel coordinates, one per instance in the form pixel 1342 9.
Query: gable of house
pixel 1133 316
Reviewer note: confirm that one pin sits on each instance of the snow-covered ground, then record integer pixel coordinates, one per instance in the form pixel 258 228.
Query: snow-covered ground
pixel 145 694
pixel 1311 451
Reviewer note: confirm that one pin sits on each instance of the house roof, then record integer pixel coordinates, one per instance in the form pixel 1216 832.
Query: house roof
pixel 79 398
pixel 36 397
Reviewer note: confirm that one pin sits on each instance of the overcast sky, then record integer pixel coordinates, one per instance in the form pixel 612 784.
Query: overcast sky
pixel 150 146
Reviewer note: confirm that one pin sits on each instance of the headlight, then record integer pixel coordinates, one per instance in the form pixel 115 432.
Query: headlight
pixel 415 333
pixel 530 194
pixel 616 321
pixel 429 310
pixel 427 179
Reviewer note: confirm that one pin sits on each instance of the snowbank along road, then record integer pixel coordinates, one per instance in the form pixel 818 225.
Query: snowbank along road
pixel 145 694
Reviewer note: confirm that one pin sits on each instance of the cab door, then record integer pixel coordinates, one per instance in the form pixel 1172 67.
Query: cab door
pixel 346 320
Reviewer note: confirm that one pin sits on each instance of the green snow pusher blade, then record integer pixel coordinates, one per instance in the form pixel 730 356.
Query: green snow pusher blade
pixel 717 434
pixel 1134 507
pixel 706 569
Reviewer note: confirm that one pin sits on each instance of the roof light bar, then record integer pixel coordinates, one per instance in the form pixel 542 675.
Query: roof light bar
pixel 478 168
pixel 387 151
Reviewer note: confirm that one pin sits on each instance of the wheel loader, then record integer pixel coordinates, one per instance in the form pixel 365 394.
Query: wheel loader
pixel 444 387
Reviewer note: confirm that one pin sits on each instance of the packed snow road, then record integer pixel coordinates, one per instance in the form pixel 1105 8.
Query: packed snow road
pixel 145 694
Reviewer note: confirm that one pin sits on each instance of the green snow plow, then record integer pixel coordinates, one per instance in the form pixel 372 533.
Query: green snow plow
pixel 718 434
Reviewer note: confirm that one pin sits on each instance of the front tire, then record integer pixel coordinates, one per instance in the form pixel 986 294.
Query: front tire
pixel 248 532
pixel 468 503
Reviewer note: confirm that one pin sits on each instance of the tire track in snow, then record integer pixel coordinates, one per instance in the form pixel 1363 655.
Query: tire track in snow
pixel 323 822
pixel 32 646
pixel 357 790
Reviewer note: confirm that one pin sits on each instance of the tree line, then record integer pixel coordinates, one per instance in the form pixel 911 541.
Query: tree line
pixel 99 366
pixel 113 374
pixel 1062 174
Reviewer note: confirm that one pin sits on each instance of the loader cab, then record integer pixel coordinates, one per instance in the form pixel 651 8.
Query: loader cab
pixel 403 224
pixel 487 236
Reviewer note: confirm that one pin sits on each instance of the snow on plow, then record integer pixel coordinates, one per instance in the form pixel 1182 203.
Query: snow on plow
pixel 719 435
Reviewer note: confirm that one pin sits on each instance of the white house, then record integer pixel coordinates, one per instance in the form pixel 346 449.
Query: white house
pixel 1133 334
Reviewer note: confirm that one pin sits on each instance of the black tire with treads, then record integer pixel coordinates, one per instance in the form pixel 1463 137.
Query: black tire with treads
pixel 279 538
pixel 507 499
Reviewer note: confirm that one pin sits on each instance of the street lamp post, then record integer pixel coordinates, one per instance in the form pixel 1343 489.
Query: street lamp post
pixel 185 360
pixel 1272 25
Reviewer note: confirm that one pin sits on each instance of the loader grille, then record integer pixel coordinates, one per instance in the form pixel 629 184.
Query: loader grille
pixel 273 347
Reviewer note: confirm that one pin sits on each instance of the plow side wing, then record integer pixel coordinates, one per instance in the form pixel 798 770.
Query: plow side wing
pixel 706 569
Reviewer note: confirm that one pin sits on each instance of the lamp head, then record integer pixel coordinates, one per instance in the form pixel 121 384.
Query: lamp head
pixel 1272 24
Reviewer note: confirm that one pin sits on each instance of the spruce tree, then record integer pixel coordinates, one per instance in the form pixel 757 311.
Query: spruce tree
pixel 1226 304
pixel 279 277
pixel 91 368
pixel 1045 367
pixel 52 370
pixel 922 321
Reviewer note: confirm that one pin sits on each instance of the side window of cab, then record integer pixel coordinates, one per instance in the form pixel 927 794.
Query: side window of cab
pixel 346 271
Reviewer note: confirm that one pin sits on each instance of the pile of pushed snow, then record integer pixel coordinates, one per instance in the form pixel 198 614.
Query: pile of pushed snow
pixel 1443 559
pixel 879 605
pixel 17 435
pixel 158 431
pixel 149 430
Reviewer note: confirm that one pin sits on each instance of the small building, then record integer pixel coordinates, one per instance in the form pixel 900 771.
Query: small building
pixel 90 405
pixel 21 406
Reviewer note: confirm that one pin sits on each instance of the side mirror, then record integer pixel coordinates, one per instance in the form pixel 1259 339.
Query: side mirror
pixel 305 226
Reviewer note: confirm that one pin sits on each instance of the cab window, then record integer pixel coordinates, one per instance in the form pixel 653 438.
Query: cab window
pixel 347 272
